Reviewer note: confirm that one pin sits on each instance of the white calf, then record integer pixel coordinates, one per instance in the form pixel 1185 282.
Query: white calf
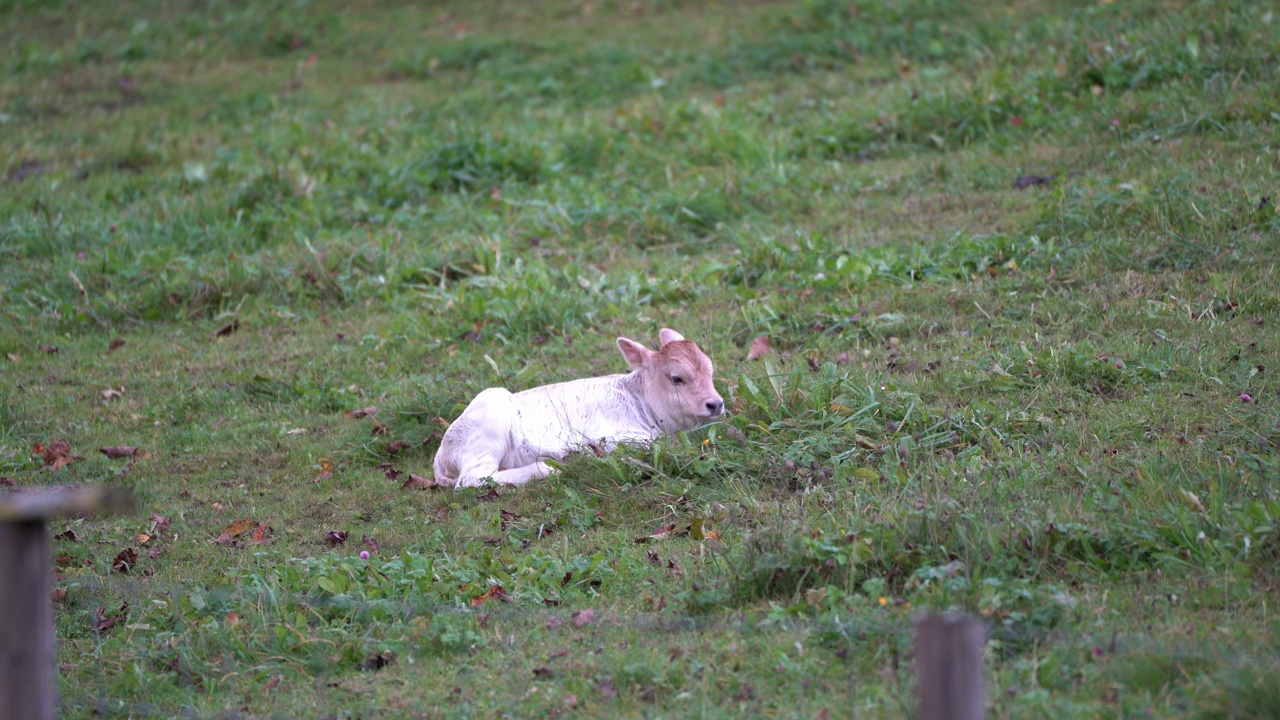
pixel 506 436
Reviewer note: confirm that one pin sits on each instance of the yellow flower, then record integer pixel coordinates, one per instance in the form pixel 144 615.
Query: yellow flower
pixel 706 441
pixel 884 600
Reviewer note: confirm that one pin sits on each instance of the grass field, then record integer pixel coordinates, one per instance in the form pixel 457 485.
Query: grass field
pixel 1016 262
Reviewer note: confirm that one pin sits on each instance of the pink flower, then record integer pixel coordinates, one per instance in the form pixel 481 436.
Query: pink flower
pixel 364 554
pixel 1246 397
pixel 1120 364
pixel 1115 122
pixel 80 255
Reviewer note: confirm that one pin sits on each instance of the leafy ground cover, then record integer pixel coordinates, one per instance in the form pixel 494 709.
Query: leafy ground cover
pixel 1016 265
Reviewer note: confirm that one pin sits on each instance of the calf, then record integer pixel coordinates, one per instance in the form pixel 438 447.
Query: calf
pixel 506 436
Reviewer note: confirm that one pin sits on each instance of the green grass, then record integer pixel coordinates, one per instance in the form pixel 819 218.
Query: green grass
pixel 1025 403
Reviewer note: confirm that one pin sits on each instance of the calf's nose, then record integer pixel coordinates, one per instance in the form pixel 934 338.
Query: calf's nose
pixel 715 407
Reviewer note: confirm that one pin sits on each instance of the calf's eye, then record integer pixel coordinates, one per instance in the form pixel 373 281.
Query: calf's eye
pixel 677 380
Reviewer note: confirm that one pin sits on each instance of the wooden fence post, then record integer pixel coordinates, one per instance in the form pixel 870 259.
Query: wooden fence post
pixel 28 662
pixel 949 668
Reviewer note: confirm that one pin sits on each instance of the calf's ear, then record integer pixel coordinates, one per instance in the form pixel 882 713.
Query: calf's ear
pixel 667 335
pixel 636 354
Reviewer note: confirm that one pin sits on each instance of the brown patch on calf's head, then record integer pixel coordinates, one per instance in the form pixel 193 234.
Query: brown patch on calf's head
pixel 676 380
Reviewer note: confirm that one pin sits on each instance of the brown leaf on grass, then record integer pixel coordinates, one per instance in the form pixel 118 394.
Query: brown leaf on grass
pixel 662 533
pixel 14 357
pixel 583 618
pixel 370 543
pixel 64 560
pixel 67 535
pixel 116 344
pixel 673 568
pixel 494 592
pixel 116 452
pixel 506 518
pixel 380 428
pixel 272 683
pixel 652 558
pixel 335 537
pixel 1025 181
pixel 759 347
pixel 362 412
pixel 542 673
pixel 379 660
pixel 490 496
pixel 110 394
pixel 234 530
pixel 160 522
pixel 157 551
pixel 814 365
pixel 232 619
pixel 471 336
pixel 51 350
pixel 554 622
pixel 389 472
pixel 607 690
pixel 227 329
pixel 102 623
pixel 396 446
pixel 7 482
pixel 217 508
pixel 142 538
pixel 125 560
pixel 417 482
pixel 58 595
pixel 57 455
pixel 259 536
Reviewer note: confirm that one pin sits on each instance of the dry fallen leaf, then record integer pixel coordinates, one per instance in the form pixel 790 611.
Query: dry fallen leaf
pixel 506 518
pixel 389 472
pixel 13 357
pixel 260 535
pixel 59 595
pixel 57 455
pixel 142 538
pixel 161 522
pixel 495 591
pixel 110 394
pixel 67 535
pixel 370 543
pixel 217 508
pixel 335 537
pixel 583 618
pixel 662 533
pixel 759 347
pixel 227 329
pixel 125 560
pixel 116 344
pixel 101 622
pixel 157 551
pixel 47 349
pixel 116 452
pixel 396 446
pixel 379 660
pixel 272 683
pixel 417 482
pixel 235 530
pixel 362 412
pixel 490 496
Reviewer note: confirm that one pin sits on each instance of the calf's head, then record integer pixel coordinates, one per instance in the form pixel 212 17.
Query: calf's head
pixel 675 380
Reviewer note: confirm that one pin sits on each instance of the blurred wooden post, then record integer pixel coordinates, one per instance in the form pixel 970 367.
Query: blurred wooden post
pixel 28 659
pixel 949 670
